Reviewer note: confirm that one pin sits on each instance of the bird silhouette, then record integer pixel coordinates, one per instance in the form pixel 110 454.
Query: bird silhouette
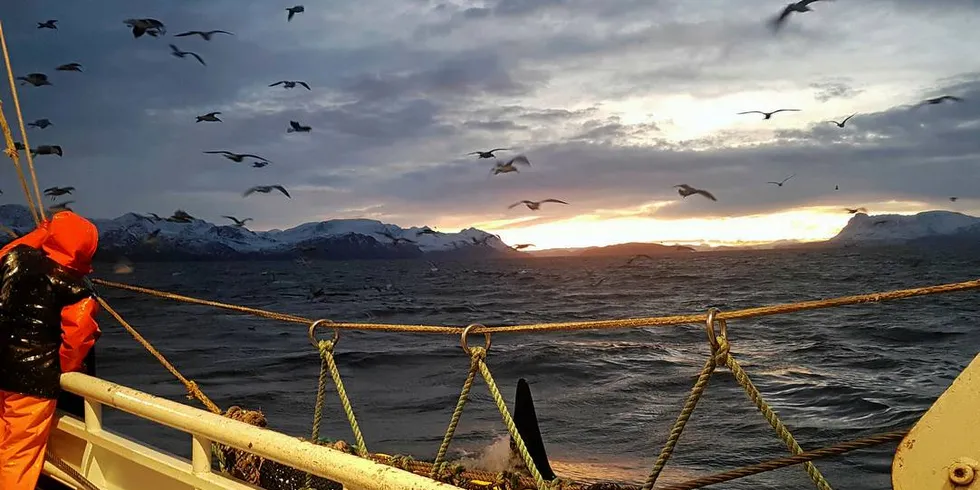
pixel 70 67
pixel 296 127
pixel 49 24
pixel 953 199
pixel 54 192
pixel 780 183
pixel 48 150
pixel 488 153
pixel 293 11
pixel 426 231
pixel 685 190
pixel 841 124
pixel 265 189
pixel 768 115
pixel 235 157
pixel 174 50
pixel 150 27
pixel 239 223
pixel 394 239
pixel 291 84
pixel 797 7
pixel 61 206
pixel 35 79
pixel 505 167
pixel 534 205
pixel 522 246
pixel 180 216
pixel 39 124
pixel 206 35
pixel 209 117
pixel 940 100
pixel 259 164
pixel 855 210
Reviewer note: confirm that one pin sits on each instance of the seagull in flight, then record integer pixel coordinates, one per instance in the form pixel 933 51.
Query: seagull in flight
pixel 174 50
pixel 426 231
pixel 180 216
pixel 953 199
pixel 640 256
pixel 236 157
pixel 940 100
pixel 522 246
pixel 487 154
pixel 800 7
pixel 61 206
pixel 293 11
pixel 48 150
pixel 70 67
pixel 856 210
pixel 152 27
pixel 54 192
pixel 768 115
pixel 265 189
pixel 387 234
pixel 534 205
pixel 239 223
pixel 291 84
pixel 259 164
pixel 39 124
pixel 50 24
pixel 780 183
pixel 206 35
pixel 35 79
pixel 296 127
pixel 685 190
pixel 503 168
pixel 841 124
pixel 209 117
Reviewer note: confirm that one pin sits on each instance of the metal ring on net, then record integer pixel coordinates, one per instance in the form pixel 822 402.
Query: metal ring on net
pixel 466 331
pixel 710 327
pixel 319 323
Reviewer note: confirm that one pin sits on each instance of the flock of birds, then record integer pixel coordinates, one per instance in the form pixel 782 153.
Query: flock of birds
pixel 155 28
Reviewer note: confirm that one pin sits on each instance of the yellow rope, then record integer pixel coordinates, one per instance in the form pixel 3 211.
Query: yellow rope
pixel 722 355
pixel 12 152
pixel 438 464
pixel 192 388
pixel 678 428
pixel 23 129
pixel 480 353
pixel 321 391
pixel 326 352
pixel 657 321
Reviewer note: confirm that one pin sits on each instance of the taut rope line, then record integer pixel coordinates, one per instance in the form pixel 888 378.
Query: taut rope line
pixel 656 321
pixel 23 129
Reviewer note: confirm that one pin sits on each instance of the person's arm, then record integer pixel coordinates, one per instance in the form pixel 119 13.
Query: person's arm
pixel 79 331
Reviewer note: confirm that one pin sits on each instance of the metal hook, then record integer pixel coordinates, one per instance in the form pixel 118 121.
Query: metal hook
pixel 710 327
pixel 466 331
pixel 318 323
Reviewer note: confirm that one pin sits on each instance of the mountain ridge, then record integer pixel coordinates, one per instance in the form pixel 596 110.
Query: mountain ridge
pixel 147 238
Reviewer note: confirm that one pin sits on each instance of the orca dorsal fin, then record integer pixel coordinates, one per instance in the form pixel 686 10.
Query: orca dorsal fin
pixel 527 426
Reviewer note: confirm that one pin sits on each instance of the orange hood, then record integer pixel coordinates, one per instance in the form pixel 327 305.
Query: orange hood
pixel 70 240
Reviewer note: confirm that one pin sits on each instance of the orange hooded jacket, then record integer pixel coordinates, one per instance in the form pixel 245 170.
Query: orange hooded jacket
pixel 71 241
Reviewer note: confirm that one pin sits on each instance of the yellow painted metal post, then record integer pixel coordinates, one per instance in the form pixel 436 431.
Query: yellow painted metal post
pixel 942 451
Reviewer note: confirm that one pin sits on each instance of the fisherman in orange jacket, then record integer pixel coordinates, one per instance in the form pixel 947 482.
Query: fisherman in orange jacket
pixel 47 327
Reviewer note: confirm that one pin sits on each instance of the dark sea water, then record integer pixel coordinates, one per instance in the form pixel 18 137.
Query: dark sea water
pixel 605 399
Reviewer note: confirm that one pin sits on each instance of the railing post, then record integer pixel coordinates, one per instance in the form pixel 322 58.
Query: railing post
pixel 200 454
pixel 93 415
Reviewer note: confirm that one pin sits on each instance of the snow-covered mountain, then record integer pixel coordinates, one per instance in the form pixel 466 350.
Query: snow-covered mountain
pixel 894 228
pixel 137 237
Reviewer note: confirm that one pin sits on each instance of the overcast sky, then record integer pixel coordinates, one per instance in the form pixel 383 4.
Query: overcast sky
pixel 612 101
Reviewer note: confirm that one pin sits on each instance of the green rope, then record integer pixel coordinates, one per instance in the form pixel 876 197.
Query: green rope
pixel 318 410
pixel 326 353
pixel 675 432
pixel 767 411
pixel 438 464
pixel 508 420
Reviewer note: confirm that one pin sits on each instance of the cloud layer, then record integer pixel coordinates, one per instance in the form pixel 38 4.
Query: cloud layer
pixel 613 102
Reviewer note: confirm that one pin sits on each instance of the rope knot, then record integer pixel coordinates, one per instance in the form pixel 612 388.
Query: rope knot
pixel 721 352
pixel 478 353
pixel 325 347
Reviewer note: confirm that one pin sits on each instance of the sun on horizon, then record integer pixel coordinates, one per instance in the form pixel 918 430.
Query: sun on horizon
pixel 804 224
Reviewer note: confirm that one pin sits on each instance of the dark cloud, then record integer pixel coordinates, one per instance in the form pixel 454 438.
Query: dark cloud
pixel 613 102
